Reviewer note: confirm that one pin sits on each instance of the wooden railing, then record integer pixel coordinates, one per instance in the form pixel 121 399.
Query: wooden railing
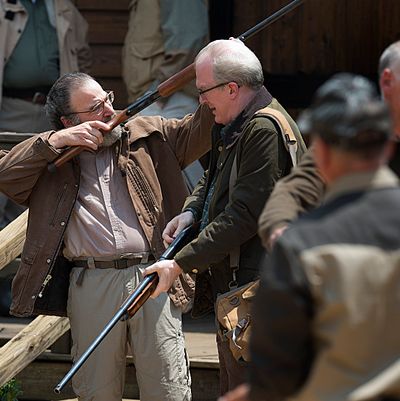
pixel 42 332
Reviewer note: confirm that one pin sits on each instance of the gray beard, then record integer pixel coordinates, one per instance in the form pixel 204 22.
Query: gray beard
pixel 111 137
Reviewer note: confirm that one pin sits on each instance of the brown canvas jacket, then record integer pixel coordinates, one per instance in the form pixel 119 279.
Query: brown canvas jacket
pixel 151 154
pixel 262 160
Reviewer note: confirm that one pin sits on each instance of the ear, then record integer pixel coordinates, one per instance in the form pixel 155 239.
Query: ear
pixel 389 150
pixel 322 155
pixel 233 88
pixel 66 122
pixel 386 81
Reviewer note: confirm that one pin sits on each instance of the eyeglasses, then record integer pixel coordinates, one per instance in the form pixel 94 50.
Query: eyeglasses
pixel 98 108
pixel 203 91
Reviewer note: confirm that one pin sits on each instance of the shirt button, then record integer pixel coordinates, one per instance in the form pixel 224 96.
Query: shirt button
pixel 219 148
pixel 62 223
pixel 48 260
pixel 195 271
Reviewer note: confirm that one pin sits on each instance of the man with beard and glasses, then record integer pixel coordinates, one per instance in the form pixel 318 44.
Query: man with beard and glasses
pixel 95 224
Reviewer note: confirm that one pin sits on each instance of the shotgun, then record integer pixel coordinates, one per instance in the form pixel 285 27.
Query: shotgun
pixel 170 86
pixel 134 302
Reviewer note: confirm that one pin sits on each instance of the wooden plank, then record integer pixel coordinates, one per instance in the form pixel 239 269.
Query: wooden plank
pixel 41 376
pixel 20 351
pixel 106 27
pixel 106 61
pixel 102 4
pixel 12 239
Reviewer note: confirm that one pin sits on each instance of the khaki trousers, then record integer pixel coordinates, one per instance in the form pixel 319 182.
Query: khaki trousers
pixel 154 334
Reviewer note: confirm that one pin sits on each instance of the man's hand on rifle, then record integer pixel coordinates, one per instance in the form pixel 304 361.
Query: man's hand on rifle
pixel 87 134
pixel 168 271
pixel 176 225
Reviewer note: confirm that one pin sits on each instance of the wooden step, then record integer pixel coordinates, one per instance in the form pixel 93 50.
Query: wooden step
pixel 40 377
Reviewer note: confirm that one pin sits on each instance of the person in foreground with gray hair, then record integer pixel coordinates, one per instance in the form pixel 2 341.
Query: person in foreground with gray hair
pixel 229 79
pixel 326 321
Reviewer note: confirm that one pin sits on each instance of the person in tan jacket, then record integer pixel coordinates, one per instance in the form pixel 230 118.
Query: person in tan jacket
pixel 164 37
pixel 95 224
pixel 39 42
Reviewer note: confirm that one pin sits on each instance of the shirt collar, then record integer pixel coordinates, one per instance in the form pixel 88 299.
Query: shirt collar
pixel 380 178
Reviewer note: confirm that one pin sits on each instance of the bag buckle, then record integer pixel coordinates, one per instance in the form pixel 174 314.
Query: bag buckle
pixel 241 326
pixel 233 283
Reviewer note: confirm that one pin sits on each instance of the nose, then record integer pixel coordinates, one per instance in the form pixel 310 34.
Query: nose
pixel 202 99
pixel 108 109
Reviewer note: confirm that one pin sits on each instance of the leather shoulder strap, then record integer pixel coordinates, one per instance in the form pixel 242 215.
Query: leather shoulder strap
pixel 289 138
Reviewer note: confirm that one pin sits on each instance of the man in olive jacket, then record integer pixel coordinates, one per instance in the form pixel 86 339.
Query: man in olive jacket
pixel 230 82
pixel 93 226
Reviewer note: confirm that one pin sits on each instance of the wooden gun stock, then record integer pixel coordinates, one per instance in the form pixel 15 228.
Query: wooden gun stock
pixel 170 86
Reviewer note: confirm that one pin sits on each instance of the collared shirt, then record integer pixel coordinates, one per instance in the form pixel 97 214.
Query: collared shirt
pixel 363 181
pixel 103 222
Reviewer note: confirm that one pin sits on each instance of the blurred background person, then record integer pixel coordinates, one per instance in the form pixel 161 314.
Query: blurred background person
pixel 164 36
pixel 40 41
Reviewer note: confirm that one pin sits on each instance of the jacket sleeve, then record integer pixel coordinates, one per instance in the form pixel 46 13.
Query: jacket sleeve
pixel 21 167
pixel 281 341
pixel 297 193
pixel 184 26
pixel 195 201
pixel 190 137
pixel 261 160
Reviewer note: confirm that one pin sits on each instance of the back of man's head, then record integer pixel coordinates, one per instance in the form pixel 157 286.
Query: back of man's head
pixel 347 113
pixel 390 58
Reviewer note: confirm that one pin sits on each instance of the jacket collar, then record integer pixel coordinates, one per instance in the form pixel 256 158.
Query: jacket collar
pixel 12 6
pixel 231 132
pixel 377 179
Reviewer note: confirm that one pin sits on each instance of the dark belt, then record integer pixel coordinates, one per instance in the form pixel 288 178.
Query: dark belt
pixel 34 95
pixel 122 263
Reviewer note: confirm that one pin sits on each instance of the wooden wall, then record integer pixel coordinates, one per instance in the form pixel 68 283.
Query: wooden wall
pixel 298 52
pixel 108 23
pixel 319 38
pixel 322 36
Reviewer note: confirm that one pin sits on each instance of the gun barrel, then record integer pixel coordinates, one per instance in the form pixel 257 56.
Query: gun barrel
pixel 269 20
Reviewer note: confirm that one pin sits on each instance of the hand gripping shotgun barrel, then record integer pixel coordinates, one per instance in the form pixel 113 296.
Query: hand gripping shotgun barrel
pixel 134 302
pixel 170 86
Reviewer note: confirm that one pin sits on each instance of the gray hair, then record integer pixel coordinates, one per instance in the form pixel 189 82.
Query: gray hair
pixel 390 57
pixel 58 101
pixel 232 61
pixel 348 113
